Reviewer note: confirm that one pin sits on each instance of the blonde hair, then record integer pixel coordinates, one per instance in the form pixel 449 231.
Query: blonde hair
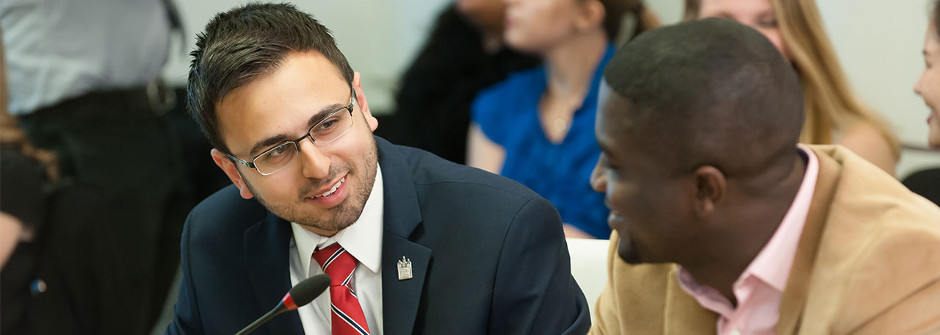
pixel 828 100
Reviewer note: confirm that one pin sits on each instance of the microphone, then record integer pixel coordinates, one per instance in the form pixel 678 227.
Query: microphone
pixel 301 294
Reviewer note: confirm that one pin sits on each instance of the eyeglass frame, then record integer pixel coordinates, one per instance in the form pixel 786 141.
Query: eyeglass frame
pixel 251 164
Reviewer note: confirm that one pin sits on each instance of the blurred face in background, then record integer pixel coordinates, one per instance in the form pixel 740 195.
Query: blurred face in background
pixel 535 26
pixel 488 15
pixel 928 86
pixel 757 14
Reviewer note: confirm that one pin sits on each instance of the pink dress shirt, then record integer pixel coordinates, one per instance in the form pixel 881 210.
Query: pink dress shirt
pixel 759 289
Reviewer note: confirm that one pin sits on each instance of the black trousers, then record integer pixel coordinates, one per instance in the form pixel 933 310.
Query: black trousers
pixel 115 272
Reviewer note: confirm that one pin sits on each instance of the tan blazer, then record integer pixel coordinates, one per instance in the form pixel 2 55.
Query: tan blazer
pixel 868 262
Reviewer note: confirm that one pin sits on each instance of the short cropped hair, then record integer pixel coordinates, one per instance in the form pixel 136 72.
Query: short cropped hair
pixel 244 43
pixel 713 91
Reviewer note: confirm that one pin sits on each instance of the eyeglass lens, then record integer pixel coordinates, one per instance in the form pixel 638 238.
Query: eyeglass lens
pixel 324 132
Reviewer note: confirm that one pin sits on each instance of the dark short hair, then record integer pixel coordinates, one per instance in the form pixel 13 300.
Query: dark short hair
pixel 247 42
pixel 712 91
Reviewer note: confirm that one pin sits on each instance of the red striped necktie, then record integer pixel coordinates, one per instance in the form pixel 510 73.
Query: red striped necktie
pixel 346 317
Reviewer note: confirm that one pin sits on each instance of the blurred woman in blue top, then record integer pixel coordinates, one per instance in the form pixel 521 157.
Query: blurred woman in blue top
pixel 537 126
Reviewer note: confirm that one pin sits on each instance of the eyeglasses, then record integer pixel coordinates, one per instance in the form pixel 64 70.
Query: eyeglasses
pixel 335 125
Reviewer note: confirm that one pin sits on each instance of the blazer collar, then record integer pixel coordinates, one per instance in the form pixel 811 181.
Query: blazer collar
pixel 400 295
pixel 402 212
pixel 267 259
pixel 794 297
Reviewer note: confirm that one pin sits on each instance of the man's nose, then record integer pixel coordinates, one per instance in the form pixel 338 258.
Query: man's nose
pixel 314 163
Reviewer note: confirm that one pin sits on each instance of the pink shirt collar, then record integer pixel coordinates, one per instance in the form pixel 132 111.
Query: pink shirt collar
pixel 760 287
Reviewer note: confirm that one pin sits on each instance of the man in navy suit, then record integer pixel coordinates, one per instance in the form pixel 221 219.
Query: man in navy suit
pixel 432 247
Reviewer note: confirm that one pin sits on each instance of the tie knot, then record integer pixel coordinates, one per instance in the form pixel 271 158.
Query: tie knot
pixel 337 263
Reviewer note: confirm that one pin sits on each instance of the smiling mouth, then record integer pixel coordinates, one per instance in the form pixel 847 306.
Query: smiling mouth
pixel 332 190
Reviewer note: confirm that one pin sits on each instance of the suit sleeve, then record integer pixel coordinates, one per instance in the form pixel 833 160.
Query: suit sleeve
pixel 186 318
pixel 534 291
pixel 917 314
pixel 897 289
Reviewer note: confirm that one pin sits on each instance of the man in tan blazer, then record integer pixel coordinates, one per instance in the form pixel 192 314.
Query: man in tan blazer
pixel 724 224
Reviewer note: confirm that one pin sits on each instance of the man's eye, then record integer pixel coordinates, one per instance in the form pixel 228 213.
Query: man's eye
pixel 326 128
pixel 280 150
pixel 327 125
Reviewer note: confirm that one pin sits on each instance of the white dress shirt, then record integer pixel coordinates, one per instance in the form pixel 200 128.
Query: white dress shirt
pixel 363 240
pixel 60 49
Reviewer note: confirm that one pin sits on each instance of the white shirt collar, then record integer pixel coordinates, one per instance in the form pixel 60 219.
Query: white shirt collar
pixel 363 239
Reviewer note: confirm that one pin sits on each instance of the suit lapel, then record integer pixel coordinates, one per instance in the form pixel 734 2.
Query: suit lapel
pixel 267 259
pixel 401 298
pixel 794 297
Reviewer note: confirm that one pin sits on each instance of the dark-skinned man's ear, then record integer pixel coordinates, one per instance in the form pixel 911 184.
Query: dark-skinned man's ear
pixel 710 186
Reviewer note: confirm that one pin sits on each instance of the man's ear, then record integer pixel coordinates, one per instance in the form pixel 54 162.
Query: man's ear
pixel 710 188
pixel 231 171
pixel 363 103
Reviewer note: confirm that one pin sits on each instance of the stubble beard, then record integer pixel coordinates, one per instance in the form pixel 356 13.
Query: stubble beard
pixel 346 213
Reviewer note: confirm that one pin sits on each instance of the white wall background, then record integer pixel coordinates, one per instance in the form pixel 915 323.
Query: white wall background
pixel 878 42
pixel 378 37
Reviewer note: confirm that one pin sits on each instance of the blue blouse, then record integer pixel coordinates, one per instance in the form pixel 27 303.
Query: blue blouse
pixel 508 115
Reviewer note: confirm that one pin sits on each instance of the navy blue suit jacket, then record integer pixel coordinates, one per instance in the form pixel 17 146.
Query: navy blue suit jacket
pixel 488 256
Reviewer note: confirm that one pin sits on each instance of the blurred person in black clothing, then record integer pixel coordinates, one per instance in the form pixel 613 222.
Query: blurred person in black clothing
pixel 83 79
pixel 463 54
pixel 47 238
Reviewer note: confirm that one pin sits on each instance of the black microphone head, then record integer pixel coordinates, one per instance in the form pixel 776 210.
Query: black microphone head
pixel 308 289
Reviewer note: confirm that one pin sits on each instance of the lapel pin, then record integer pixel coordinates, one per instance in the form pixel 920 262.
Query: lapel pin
pixel 404 269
